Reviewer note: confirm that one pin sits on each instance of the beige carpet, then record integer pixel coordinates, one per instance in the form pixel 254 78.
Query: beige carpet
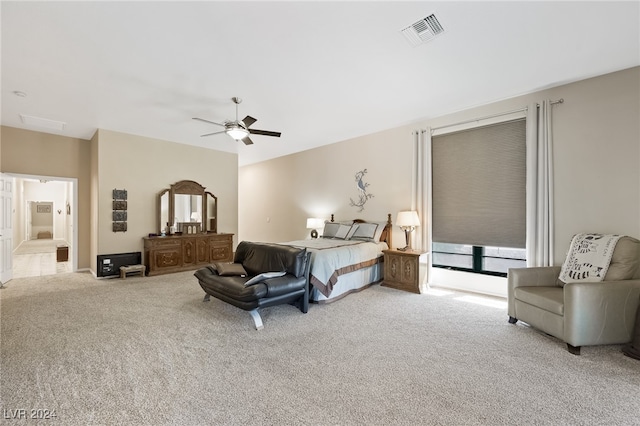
pixel 148 351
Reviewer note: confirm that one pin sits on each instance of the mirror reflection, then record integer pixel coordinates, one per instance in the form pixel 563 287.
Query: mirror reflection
pixel 212 211
pixel 188 208
pixel 164 208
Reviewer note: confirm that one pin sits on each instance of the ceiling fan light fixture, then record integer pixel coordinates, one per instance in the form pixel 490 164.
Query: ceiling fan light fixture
pixel 239 129
pixel 237 132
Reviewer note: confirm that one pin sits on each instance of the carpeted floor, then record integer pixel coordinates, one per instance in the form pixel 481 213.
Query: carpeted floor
pixel 148 351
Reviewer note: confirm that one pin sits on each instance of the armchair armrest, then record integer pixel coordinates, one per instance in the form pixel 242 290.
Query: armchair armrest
pixel 600 312
pixel 539 276
pixel 544 276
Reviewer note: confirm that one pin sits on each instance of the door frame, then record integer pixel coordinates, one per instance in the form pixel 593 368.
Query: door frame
pixel 74 209
pixel 7 188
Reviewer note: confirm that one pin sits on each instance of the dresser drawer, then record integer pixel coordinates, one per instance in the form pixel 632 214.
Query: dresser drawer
pixel 176 253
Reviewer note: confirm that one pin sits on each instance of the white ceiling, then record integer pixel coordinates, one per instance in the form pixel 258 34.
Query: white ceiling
pixel 319 72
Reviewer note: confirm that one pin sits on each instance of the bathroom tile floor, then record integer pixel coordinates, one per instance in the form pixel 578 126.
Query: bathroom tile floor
pixel 38 257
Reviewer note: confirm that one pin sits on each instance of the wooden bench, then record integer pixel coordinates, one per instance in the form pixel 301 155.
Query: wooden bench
pixel 124 270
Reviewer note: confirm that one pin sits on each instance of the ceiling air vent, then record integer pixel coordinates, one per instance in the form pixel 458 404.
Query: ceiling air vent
pixel 42 122
pixel 423 30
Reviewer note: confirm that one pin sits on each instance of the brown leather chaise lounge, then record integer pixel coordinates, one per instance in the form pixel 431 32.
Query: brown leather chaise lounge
pixel 261 275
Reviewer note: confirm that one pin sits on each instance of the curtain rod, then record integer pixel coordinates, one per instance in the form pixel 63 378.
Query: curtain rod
pixel 559 101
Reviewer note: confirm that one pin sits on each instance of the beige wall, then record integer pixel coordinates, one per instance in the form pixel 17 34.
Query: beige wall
pixel 41 154
pixel 144 167
pixel 596 154
pixel 112 160
pixel 321 181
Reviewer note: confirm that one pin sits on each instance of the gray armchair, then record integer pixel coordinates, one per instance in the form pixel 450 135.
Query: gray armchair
pixel 579 313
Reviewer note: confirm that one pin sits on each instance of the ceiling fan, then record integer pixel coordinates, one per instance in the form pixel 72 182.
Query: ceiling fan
pixel 239 129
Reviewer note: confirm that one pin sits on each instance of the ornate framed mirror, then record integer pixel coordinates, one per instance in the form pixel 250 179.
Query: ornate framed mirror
pixel 188 208
pixel 211 209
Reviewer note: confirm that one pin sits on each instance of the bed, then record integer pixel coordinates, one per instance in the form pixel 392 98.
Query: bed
pixel 347 257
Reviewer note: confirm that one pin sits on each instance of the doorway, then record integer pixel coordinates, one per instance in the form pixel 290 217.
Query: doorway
pixel 45 222
pixel 39 220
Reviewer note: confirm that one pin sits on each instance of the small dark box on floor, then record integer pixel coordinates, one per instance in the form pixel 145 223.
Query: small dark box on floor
pixel 62 253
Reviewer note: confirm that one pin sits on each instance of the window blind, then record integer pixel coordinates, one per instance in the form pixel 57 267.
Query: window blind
pixel 479 186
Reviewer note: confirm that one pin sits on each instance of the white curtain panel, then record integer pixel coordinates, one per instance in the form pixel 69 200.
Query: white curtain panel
pixel 540 223
pixel 421 189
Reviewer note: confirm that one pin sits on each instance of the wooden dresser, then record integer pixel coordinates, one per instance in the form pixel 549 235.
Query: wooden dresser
pixel 174 253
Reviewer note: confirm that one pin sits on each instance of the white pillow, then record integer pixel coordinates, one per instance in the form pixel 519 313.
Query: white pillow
pixel 330 229
pixel 343 230
pixel 366 232
pixel 261 277
pixel 379 231
pixel 352 231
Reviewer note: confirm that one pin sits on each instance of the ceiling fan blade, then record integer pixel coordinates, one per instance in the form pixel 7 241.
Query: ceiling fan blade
pixel 247 140
pixel 248 120
pixel 214 133
pixel 208 121
pixel 264 133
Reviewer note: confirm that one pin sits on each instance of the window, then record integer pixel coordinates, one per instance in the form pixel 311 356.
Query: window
pixel 478 259
pixel 479 198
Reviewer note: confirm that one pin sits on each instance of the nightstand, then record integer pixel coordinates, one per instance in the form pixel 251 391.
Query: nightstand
pixel 402 270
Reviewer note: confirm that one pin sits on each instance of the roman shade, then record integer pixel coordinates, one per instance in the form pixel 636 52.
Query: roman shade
pixel 479 186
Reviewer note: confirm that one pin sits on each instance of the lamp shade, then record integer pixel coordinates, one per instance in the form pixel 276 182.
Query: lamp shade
pixel 314 223
pixel 408 218
pixel 196 217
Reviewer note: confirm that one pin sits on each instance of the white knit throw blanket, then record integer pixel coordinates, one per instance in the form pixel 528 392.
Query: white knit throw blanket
pixel 588 258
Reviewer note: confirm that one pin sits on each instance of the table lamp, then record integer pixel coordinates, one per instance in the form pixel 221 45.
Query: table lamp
pixel 407 221
pixel 314 223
